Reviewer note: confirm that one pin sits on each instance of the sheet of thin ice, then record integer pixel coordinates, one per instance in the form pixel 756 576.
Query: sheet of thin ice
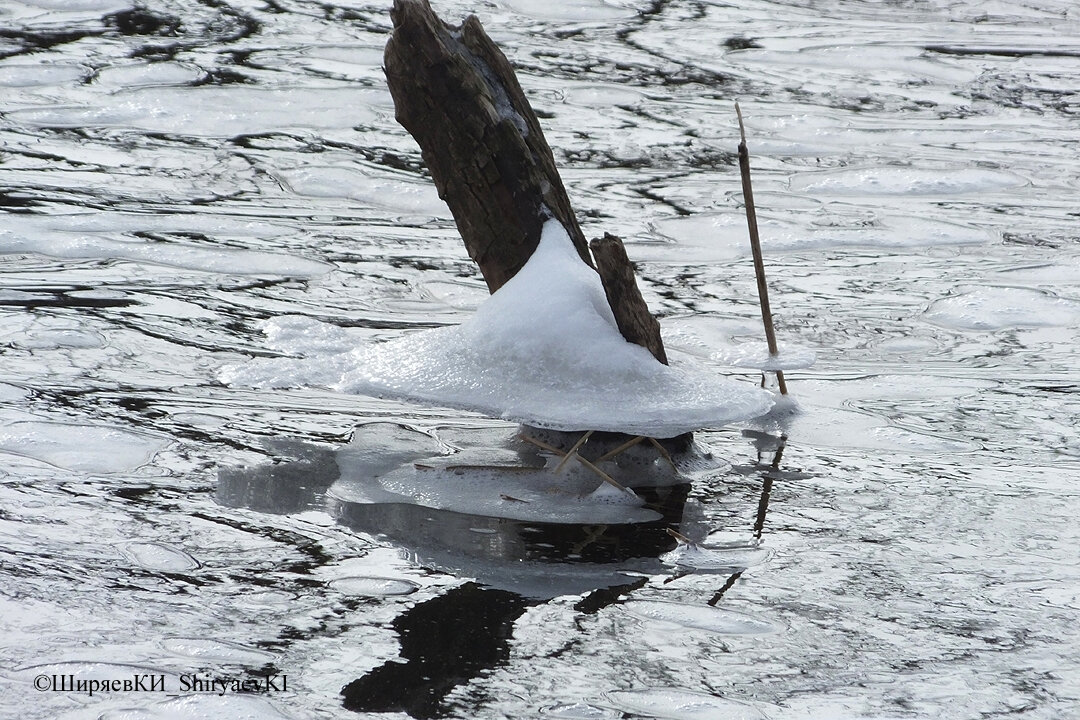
pixel 543 350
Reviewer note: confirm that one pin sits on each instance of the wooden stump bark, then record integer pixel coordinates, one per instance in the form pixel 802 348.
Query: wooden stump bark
pixel 631 312
pixel 457 95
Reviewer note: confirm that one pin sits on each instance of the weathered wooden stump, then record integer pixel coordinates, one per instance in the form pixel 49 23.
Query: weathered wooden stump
pixel 458 96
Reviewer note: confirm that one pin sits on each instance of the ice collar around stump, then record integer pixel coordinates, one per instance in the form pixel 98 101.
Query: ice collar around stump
pixel 545 350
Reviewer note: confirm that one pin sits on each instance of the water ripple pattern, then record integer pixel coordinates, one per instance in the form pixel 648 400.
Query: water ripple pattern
pixel 898 541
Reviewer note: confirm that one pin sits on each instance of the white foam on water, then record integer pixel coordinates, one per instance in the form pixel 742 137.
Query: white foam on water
pixel 996 308
pixel 78 447
pixel 216 651
pixel 698 617
pixel 904 181
pixel 678 704
pixel 373 586
pixel 544 350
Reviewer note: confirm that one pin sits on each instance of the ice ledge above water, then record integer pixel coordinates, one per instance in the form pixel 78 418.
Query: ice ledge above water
pixel 544 350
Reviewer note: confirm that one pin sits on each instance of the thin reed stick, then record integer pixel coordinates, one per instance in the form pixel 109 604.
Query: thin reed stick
pixel 755 246
pixel 559 453
pixel 666 455
pixel 573 450
pixel 622 448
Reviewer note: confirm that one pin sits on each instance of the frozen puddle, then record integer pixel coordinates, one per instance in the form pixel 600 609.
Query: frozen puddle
pixel 697 617
pixel 158 557
pixel 723 236
pixel 18 236
pixel 513 493
pixel 80 448
pixel 701 559
pixel 217 651
pixel 899 180
pixel 373 586
pixel 200 707
pixel 211 111
pixel 347 181
pixel 681 705
pixel 996 308
pixel 544 350
pixel 756 355
pixel 81 671
pixel 580 711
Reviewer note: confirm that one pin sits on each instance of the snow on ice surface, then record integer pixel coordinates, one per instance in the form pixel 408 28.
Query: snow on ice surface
pixel 544 350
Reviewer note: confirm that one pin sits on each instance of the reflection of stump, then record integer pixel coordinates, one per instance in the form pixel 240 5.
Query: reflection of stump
pixel 456 93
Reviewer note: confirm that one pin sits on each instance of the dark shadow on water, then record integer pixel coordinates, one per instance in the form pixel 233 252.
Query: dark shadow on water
pixel 452 638
pixel 445 642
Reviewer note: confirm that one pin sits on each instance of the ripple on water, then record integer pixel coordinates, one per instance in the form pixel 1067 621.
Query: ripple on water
pixel 698 617
pixel 681 705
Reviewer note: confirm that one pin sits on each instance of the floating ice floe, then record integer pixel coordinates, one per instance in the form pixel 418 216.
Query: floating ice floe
pixel 79 447
pixel 544 350
pixel 755 355
pixel 697 617
pixel 997 308
pixel 681 704
pixel 512 492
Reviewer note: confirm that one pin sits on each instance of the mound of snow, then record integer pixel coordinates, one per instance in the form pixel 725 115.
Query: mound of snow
pixel 543 350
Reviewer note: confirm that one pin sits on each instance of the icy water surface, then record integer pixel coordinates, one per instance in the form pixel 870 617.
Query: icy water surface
pixel 174 173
